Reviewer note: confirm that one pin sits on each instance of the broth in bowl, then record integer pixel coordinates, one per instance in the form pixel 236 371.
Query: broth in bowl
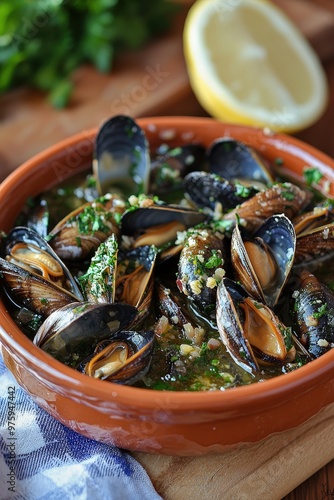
pixel 185 268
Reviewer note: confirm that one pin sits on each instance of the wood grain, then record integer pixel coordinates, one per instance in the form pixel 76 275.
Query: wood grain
pixel 267 470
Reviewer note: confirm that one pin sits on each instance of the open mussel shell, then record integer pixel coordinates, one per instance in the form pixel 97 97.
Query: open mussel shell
pixel 72 332
pixel 80 233
pixel 250 331
pixel 33 291
pixel 263 262
pixel 39 217
pixel 232 160
pixel 135 283
pixel 230 327
pixel 313 310
pixel 158 224
pixel 26 248
pixel 121 157
pixel 125 359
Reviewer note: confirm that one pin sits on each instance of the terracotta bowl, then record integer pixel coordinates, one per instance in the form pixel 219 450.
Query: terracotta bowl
pixel 177 423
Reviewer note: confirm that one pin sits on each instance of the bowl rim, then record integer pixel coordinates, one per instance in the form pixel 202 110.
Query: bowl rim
pixel 58 374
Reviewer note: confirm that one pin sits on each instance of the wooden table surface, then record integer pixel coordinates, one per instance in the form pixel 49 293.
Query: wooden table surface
pixel 29 125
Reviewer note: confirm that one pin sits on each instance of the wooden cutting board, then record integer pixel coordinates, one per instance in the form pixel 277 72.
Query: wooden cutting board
pixel 268 470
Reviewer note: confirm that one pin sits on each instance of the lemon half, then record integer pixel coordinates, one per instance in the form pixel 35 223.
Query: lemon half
pixel 248 63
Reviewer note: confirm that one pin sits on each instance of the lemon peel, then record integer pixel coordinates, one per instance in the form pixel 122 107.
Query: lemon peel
pixel 248 63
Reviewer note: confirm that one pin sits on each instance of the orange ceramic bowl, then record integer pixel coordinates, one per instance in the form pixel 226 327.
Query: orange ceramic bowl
pixel 177 423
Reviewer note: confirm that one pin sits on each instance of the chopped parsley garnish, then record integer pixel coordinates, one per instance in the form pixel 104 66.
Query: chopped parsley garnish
pixel 93 219
pixel 214 260
pixel 223 225
pixel 98 281
pixel 312 175
pixel 242 191
pixel 35 322
pixel 321 311
pixel 287 335
pixel 117 217
pixel 91 181
pixel 175 151
pixel 288 195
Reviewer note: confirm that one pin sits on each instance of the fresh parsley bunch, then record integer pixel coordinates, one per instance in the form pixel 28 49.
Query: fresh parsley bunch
pixel 43 41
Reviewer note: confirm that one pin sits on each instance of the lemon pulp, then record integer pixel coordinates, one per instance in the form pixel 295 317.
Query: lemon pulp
pixel 248 63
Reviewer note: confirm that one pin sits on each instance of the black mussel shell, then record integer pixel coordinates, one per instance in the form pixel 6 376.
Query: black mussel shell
pixel 121 157
pixel 232 159
pixel 72 332
pixel 313 312
pixel 206 190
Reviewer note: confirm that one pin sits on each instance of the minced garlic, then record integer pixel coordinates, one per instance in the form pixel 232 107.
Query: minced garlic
pixel 211 283
pixel 196 286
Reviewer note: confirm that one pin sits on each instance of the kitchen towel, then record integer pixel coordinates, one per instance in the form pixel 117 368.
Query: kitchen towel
pixel 41 459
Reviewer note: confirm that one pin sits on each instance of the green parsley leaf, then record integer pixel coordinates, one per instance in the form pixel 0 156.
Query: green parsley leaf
pixel 214 260
pixel 312 175
pixel 288 195
pixel 321 311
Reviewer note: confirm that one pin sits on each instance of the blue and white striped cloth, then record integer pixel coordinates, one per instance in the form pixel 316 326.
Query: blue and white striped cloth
pixel 42 459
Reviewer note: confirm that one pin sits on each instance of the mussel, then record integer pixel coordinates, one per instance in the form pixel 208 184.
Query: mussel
pixel 71 333
pixel 80 233
pixel 122 159
pixel 134 277
pixel 262 262
pixel 33 274
pixel 284 198
pixel 210 191
pixel 27 249
pixel 158 224
pixel 313 311
pixel 319 216
pixel 232 160
pixel 314 244
pixel 39 217
pixel 251 332
pixel 33 291
pixel 178 316
pixel 125 359
pixel 201 267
